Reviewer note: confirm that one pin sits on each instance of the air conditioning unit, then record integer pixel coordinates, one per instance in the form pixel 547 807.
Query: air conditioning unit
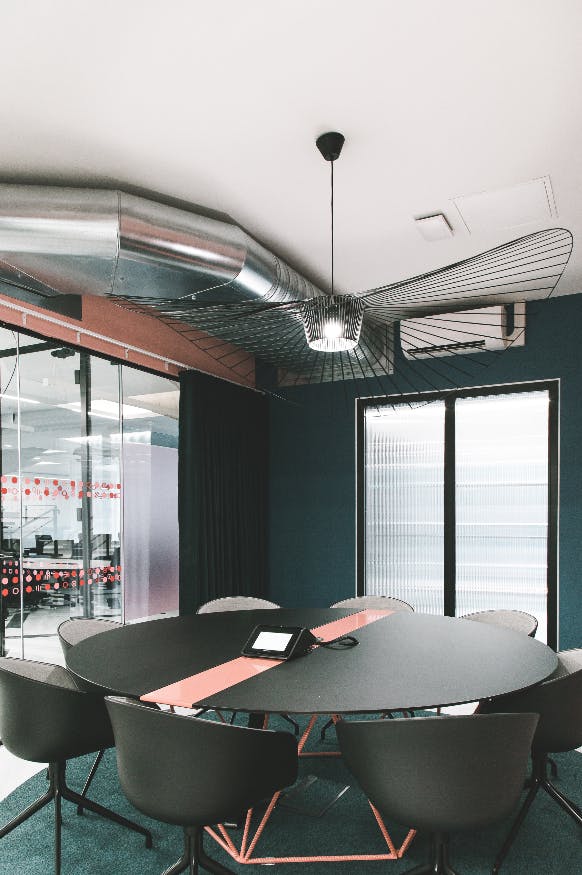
pixel 482 330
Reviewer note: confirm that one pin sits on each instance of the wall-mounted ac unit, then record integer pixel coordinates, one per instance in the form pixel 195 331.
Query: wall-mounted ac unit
pixel 485 329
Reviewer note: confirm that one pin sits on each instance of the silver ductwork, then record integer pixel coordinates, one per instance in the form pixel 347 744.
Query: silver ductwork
pixel 104 242
pixel 57 244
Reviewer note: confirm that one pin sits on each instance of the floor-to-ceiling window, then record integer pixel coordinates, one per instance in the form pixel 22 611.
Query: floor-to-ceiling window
pixel 79 535
pixel 457 506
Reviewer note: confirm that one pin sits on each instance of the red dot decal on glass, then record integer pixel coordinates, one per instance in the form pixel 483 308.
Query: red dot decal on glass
pixel 73 573
pixel 28 578
pixel 81 583
pixel 4 581
pixel 4 592
pixel 47 586
pixel 55 482
pixel 56 586
pixel 29 589
pixel 4 490
pixel 47 492
pixel 15 479
pixel 4 478
pixel 27 491
pixel 14 580
pixel 37 480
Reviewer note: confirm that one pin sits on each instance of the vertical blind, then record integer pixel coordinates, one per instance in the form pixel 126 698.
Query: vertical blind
pixel 502 503
pixel 404 529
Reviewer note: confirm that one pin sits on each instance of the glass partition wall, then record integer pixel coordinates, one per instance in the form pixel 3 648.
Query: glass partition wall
pixel 79 537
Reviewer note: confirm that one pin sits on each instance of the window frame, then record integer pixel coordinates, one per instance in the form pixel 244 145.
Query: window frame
pixel 450 396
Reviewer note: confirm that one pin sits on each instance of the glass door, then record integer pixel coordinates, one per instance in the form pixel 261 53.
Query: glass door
pixel 89 500
pixel 41 476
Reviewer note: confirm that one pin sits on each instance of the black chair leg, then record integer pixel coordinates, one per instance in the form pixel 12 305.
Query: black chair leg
pixel 293 723
pixel 539 778
pixel 563 802
pixel 439 863
pixel 516 825
pixel 201 857
pixel 185 860
pixel 71 796
pixel 58 825
pixel 28 812
pixel 325 728
pixel 90 777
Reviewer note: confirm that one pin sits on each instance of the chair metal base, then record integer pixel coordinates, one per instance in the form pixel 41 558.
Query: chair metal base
pixel 439 864
pixel 194 857
pixel 58 790
pixel 90 777
pixel 539 779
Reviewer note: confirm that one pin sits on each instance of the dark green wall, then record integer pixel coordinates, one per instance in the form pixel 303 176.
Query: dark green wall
pixel 312 465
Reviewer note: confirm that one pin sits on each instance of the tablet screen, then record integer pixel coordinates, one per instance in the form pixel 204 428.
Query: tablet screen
pixel 273 641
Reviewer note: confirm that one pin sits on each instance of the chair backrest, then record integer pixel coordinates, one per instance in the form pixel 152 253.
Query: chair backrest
pixel 440 774
pixel 374 603
pixel 519 621
pixel 192 772
pixel 76 629
pixel 235 603
pixel 557 700
pixel 44 717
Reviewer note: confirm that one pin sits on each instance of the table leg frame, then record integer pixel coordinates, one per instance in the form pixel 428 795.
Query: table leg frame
pixel 244 855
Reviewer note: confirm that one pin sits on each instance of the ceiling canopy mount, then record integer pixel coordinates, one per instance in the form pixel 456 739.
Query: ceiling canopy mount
pixel 330 145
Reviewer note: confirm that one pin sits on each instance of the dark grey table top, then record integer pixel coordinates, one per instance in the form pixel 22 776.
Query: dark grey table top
pixel 403 661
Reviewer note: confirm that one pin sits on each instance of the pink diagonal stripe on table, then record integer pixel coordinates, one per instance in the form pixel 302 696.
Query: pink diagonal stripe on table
pixel 187 692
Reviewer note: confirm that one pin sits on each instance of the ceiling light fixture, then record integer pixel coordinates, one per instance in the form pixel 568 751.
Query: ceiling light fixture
pixel 332 322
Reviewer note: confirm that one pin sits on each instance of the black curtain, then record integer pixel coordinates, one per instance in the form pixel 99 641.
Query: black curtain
pixel 222 490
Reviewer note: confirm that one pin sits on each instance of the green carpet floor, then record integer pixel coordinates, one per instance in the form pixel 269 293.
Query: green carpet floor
pixel 550 842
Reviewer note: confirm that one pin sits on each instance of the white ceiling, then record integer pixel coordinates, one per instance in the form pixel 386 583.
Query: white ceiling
pixel 219 103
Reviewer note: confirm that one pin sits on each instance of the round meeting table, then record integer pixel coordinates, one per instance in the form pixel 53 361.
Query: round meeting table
pixel 403 661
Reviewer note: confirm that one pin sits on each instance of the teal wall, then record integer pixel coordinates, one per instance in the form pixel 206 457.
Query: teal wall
pixel 312 465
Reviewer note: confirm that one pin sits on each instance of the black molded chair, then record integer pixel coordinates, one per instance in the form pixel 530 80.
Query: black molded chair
pixel 44 717
pixel 374 603
pixel 194 773
pixel 519 621
pixel 440 774
pixel 236 603
pixel 72 632
pixel 558 701
pixel 77 629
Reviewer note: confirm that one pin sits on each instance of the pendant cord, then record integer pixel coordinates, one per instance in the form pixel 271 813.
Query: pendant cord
pixel 332 283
